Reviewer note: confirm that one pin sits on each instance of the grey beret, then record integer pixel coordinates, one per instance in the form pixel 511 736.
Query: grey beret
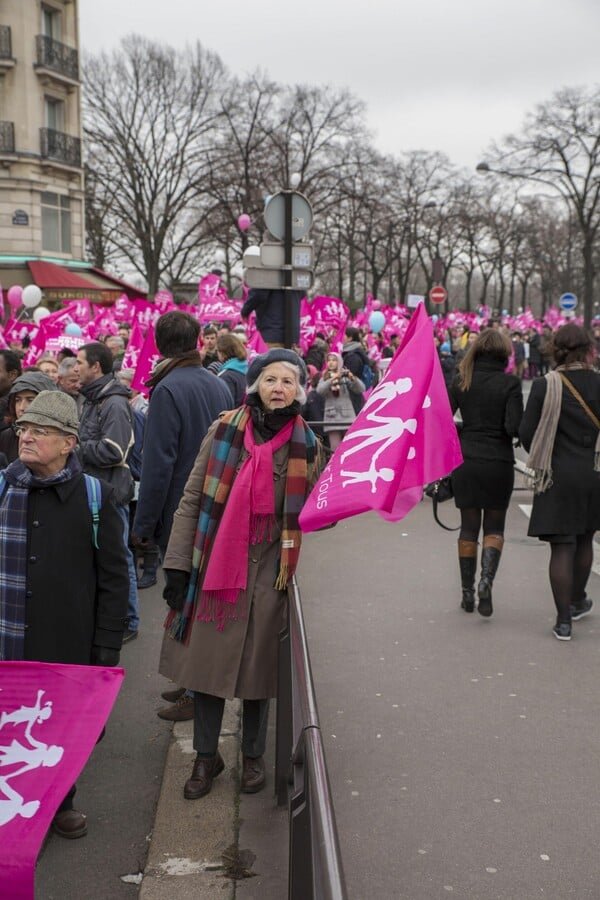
pixel 277 354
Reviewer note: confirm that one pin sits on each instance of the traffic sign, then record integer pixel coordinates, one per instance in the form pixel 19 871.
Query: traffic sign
pixel 438 294
pixel 568 301
pixel 301 216
pixel 274 279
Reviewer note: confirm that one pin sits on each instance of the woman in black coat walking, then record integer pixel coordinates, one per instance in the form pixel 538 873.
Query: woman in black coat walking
pixel 561 428
pixel 491 406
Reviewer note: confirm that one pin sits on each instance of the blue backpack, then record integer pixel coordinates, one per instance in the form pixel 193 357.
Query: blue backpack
pixel 368 376
pixel 94 497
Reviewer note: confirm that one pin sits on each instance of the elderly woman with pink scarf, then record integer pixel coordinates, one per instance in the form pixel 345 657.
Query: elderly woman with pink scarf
pixel 233 548
pixel 337 384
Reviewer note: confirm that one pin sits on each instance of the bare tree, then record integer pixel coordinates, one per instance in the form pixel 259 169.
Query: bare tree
pixel 149 115
pixel 559 147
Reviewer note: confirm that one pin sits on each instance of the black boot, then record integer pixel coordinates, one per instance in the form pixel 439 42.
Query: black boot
pixel 149 565
pixel 490 560
pixel 467 560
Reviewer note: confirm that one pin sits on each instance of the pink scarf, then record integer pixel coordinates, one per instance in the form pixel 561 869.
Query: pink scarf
pixel 248 516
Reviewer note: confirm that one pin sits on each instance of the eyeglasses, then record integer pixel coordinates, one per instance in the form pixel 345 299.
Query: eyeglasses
pixel 36 432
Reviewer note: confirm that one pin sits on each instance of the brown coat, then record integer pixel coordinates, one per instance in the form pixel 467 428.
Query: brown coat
pixel 241 660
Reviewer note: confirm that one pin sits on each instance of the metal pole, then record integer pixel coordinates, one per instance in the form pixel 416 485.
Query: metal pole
pixel 287 269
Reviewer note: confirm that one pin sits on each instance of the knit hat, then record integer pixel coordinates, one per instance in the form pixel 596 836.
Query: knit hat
pixel 33 381
pixel 52 409
pixel 445 348
pixel 277 354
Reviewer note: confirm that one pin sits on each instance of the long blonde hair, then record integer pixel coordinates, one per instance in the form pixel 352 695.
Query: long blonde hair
pixel 490 343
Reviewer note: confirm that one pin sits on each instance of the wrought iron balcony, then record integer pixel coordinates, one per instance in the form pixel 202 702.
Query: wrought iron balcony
pixel 7 137
pixel 60 147
pixel 6 57
pixel 57 57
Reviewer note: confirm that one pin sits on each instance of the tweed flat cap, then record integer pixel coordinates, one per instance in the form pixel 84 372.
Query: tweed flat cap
pixel 52 409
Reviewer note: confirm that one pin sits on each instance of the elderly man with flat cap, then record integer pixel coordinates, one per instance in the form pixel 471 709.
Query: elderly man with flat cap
pixel 56 606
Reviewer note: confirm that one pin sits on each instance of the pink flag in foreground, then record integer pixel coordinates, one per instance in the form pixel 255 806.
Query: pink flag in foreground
pixel 51 716
pixel 403 438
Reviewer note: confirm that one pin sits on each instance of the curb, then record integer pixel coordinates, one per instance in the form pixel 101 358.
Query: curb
pixel 189 837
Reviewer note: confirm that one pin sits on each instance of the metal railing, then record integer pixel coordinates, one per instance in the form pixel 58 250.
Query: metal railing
pixel 61 58
pixel 5 42
pixel 315 863
pixel 61 147
pixel 7 137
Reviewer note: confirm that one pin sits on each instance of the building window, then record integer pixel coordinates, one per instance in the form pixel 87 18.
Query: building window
pixel 55 113
pixel 51 23
pixel 56 222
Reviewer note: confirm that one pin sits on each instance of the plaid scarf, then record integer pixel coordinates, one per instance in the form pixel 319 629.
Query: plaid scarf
pixel 225 530
pixel 13 550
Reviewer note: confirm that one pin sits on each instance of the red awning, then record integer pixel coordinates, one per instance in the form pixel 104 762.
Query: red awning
pixel 49 275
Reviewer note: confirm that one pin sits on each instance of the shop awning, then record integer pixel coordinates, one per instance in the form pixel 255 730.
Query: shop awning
pixel 49 276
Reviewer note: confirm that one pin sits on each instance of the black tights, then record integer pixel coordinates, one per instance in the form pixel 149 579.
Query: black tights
pixel 570 566
pixel 470 522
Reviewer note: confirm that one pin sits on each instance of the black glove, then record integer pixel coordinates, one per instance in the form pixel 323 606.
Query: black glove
pixel 105 656
pixel 176 587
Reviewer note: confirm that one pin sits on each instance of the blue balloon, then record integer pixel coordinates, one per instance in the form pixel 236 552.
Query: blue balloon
pixel 73 330
pixel 376 321
pixel 434 319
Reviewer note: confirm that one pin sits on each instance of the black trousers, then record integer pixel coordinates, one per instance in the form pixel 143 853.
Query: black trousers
pixel 208 715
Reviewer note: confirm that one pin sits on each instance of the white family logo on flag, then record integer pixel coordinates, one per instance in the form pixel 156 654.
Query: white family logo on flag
pixel 27 756
pixel 386 430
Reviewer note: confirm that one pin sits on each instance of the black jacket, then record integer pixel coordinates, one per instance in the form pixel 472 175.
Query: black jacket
pixel 271 308
pixel 572 504
pixel 491 412
pixel 76 596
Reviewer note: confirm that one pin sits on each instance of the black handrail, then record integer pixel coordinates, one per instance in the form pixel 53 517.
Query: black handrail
pixel 315 863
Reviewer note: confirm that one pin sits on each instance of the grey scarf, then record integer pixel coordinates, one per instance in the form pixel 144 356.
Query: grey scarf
pixel 542 445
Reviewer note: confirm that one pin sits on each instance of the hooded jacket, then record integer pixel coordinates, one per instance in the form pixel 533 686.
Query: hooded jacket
pixel 106 434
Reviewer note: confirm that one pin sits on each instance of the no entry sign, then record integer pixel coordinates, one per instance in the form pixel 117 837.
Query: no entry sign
pixel 438 294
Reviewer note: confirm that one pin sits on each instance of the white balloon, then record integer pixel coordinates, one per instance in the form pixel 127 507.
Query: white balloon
pixel 40 313
pixel 32 296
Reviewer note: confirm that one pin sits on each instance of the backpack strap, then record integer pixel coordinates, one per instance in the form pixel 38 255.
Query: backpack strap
pixel 94 495
pixel 3 484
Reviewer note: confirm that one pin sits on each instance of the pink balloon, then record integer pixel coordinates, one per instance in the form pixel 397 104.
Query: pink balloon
pixel 14 296
pixel 376 304
pixel 244 221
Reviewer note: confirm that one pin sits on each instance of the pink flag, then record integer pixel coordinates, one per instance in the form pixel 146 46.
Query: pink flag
pixel 146 360
pixel 50 719
pixel 1 303
pixel 403 438
pixel 146 314
pixel 134 349
pixel 163 300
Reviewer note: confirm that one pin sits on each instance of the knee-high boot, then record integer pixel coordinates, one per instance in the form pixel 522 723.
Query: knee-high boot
pixel 490 559
pixel 467 560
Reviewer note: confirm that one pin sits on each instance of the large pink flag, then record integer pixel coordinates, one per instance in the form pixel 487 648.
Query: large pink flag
pixel 147 358
pixel 50 719
pixel 403 438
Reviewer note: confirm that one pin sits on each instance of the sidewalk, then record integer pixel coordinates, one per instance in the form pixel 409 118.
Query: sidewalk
pixel 197 846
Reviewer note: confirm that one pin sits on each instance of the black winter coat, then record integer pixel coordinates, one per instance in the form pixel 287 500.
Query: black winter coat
pixel 76 595
pixel 271 309
pixel 106 434
pixel 572 504
pixel 491 412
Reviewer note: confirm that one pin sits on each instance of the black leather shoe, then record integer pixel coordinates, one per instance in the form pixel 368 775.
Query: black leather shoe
pixel 203 774
pixel 253 775
pixel 69 823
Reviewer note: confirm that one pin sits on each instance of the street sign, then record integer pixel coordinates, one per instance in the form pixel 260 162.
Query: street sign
pixel 568 302
pixel 274 279
pixel 302 216
pixel 438 294
pixel 274 255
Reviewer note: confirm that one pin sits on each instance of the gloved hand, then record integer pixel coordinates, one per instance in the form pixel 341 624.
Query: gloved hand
pixel 105 656
pixel 141 543
pixel 176 588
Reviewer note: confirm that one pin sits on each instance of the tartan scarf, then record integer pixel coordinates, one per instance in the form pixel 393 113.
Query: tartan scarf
pixel 226 529
pixel 13 550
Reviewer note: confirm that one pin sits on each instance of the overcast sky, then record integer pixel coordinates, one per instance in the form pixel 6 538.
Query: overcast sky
pixel 448 75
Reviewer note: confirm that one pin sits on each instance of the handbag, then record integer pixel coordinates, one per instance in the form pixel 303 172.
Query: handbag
pixel 439 491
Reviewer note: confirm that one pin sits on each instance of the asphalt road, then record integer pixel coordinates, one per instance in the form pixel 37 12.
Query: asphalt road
pixel 462 752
